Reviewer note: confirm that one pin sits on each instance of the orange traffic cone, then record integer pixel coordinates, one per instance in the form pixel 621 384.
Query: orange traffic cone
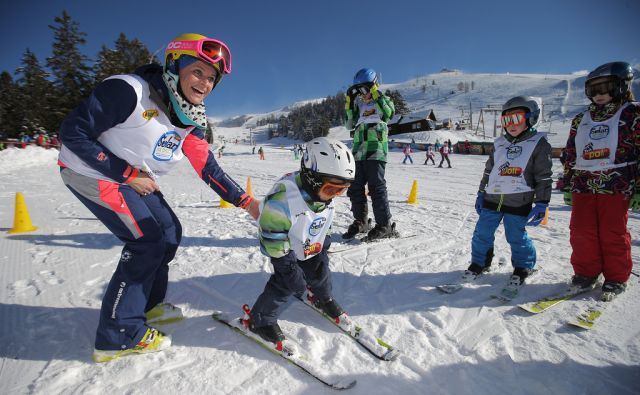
pixel 249 189
pixel 21 220
pixel 546 217
pixel 225 204
pixel 413 195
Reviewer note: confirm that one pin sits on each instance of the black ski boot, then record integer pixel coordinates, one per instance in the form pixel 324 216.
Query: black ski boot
pixel 270 333
pixel 522 273
pixel 357 227
pixel 477 269
pixel 382 232
pixel 473 271
pixel 611 289
pixel 583 282
pixel 329 307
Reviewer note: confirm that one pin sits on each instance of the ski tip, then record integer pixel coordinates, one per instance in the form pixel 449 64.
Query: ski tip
pixel 344 384
pixel 501 298
pixel 449 288
pixel 581 325
pixel 529 309
pixel 221 316
pixel 391 355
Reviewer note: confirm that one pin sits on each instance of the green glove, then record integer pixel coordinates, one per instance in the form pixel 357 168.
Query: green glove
pixel 374 92
pixel 635 202
pixel 568 198
pixel 347 103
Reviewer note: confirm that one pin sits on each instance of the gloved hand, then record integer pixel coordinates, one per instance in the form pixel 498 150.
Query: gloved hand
pixel 568 198
pixel 635 201
pixel 537 214
pixel 347 102
pixel 479 201
pixel 374 92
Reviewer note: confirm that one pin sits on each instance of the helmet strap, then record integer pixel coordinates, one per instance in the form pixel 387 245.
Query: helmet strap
pixel 310 183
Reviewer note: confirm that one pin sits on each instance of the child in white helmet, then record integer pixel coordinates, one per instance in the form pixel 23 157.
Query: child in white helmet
pixel 294 224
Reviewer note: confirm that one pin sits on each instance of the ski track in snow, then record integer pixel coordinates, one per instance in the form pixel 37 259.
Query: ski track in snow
pixel 462 343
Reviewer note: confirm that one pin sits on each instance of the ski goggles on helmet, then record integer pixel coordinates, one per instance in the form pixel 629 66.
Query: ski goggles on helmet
pixel 513 119
pixel 332 187
pixel 601 87
pixel 207 49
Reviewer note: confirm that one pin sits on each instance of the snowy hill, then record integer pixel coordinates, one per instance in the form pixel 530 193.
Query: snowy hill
pixel 450 95
pixel 466 343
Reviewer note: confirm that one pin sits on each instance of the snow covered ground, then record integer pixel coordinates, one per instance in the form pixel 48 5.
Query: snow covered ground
pixel 53 279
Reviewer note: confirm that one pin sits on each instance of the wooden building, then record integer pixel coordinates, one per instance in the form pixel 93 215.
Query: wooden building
pixel 414 122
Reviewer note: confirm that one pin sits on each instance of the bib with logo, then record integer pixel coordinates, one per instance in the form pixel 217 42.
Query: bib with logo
pixel 146 139
pixel 308 229
pixel 597 142
pixel 509 163
pixel 368 112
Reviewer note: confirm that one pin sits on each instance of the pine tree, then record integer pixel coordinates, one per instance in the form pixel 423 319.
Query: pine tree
pixel 72 76
pixel 398 101
pixel 124 59
pixel 35 94
pixel 11 112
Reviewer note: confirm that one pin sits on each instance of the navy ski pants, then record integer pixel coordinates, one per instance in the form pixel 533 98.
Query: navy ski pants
pixel 151 234
pixel 370 173
pixel 291 277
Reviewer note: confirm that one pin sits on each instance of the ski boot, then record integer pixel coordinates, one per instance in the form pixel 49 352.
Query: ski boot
pixel 611 289
pixel 382 232
pixel 357 227
pixel 522 273
pixel 152 341
pixel 510 291
pixel 329 307
pixel 474 271
pixel 271 333
pixel 579 282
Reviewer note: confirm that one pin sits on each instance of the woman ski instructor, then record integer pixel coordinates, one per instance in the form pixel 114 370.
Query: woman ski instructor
pixel 132 129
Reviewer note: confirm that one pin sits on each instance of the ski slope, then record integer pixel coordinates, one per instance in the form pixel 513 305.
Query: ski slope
pixel 561 95
pixel 466 343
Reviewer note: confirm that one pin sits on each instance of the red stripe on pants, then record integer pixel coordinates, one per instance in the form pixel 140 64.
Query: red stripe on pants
pixel 110 194
pixel 599 236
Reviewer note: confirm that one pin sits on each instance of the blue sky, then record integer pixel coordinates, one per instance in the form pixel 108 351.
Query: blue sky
pixel 285 51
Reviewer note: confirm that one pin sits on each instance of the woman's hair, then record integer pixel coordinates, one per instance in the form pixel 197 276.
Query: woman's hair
pixel 628 97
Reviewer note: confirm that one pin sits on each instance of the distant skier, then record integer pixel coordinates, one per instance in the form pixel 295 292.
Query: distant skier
pixel 407 154
pixel 261 153
pixel 368 111
pixel 444 153
pixel 430 155
pixel 517 174
pixel 602 180
pixel 294 226
pixel 129 130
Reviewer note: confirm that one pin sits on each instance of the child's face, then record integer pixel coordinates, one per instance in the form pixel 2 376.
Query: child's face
pixel 515 130
pixel 601 87
pixel 601 100
pixel 366 97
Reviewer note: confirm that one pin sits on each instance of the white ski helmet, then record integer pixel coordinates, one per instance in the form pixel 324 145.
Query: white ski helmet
pixel 324 157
